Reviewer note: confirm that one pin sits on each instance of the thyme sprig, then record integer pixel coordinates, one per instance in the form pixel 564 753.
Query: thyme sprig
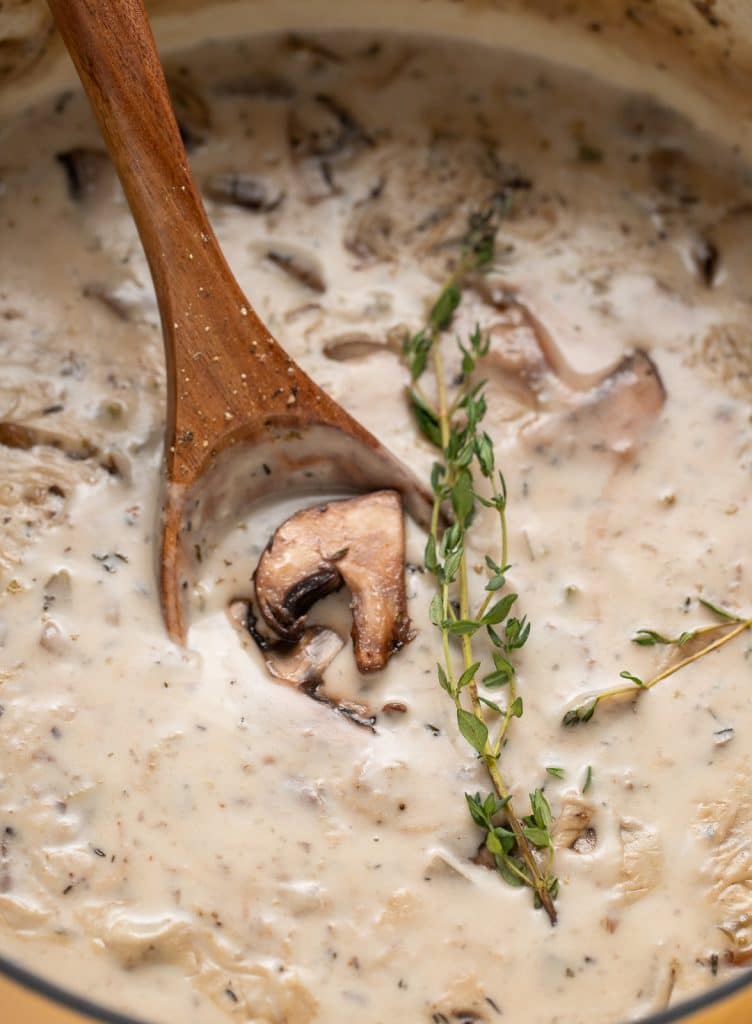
pixel 716 635
pixel 520 846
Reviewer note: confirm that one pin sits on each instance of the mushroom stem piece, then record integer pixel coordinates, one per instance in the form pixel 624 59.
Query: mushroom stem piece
pixel 358 542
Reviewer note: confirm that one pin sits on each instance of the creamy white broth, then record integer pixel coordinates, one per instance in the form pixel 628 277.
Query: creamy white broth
pixel 186 838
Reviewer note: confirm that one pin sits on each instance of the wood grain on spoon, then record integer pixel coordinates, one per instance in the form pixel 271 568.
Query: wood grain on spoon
pixel 233 393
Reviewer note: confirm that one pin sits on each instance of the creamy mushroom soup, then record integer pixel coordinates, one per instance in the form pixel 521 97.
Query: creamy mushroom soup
pixel 185 833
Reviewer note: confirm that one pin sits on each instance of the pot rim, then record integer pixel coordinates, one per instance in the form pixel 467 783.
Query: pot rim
pixel 95 1011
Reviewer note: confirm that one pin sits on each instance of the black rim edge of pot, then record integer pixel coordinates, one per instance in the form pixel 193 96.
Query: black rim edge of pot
pixel 79 1004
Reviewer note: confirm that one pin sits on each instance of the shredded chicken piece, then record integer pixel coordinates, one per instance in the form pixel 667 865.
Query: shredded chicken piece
pixel 248 990
pixel 723 828
pixel 642 860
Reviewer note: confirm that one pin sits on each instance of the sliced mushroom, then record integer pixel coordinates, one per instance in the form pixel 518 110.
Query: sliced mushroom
pixel 300 265
pixel 370 233
pixel 322 135
pixel 23 436
pixel 607 410
pixel 722 737
pixel 539 356
pixel 358 542
pixel 323 127
pixel 191 109
pixel 574 829
pixel 516 356
pixel 353 345
pixel 84 169
pixel 246 190
pixel 612 414
pixel 359 714
pixel 304 662
pixel 301 664
pixel 127 299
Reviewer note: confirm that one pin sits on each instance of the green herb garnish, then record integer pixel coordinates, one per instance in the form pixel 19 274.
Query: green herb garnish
pixel 483 640
pixel 729 627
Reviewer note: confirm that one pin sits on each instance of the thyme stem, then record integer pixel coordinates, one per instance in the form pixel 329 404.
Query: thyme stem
pixel 585 711
pixel 540 883
pixel 452 424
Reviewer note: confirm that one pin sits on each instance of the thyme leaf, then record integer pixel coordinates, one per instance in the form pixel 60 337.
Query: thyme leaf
pixel 478 644
pixel 715 635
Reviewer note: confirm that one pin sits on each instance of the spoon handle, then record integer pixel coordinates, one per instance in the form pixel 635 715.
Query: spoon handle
pixel 213 339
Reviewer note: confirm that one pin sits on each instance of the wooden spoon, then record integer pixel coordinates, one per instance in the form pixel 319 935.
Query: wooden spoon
pixel 243 420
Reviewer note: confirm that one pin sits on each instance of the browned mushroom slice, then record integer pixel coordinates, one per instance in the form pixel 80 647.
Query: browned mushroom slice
pixel 629 397
pixel 299 265
pixel 246 190
pixel 358 542
pixel 191 109
pixel 540 355
pixel 58 591
pixel 323 135
pixel 606 410
pixel 516 356
pixel 85 170
pixel 353 345
pixel 303 663
pixel 612 414
pixel 24 437
pixel 127 299
pixel 322 127
pixel 370 232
